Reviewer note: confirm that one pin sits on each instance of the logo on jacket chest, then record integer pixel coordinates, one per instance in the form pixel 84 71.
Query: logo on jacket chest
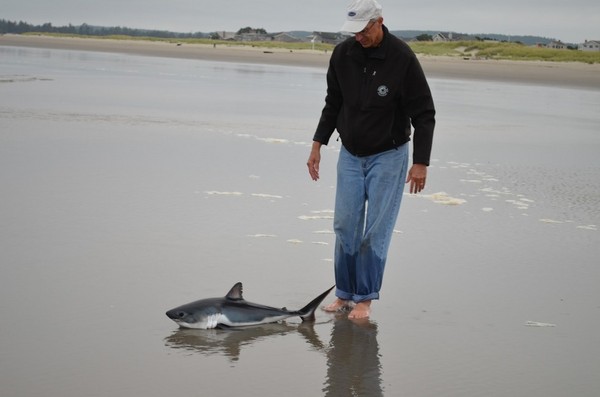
pixel 383 90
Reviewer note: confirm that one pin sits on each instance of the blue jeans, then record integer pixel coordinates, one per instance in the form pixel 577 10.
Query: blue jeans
pixel 368 196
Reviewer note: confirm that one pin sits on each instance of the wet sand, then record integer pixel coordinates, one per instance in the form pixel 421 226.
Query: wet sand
pixel 133 184
pixel 560 74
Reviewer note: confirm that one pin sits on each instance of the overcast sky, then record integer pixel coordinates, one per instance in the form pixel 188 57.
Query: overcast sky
pixel 570 21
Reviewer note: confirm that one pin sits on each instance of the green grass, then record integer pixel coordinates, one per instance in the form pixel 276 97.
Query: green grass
pixel 261 44
pixel 507 51
pixel 471 49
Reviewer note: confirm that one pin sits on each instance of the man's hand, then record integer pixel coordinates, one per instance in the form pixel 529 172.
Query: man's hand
pixel 417 176
pixel 313 160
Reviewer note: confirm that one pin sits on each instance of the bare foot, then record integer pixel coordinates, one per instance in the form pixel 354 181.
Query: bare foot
pixel 360 311
pixel 337 305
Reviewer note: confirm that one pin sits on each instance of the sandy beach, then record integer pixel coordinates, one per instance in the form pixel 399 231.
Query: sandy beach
pixel 577 75
pixel 132 184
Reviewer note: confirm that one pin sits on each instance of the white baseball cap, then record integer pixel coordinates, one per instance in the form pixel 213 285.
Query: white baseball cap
pixel 359 13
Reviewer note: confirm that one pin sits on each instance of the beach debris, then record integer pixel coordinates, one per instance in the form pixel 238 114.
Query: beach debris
pixel 521 204
pixel 538 324
pixel 273 140
pixel 318 214
pixel 444 199
pixel 454 164
pixel 264 195
pixel 314 217
pixel 546 220
pixel 21 79
pixel 490 192
pixel 324 232
pixel 588 227
pixel 216 193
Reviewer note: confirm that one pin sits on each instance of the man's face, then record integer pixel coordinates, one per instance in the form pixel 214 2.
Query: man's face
pixel 370 36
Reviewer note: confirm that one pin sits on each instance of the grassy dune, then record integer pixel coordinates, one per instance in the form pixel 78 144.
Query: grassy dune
pixel 464 49
pixel 261 44
pixel 506 51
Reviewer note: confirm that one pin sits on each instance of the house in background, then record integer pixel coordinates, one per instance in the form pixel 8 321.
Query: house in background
pixel 590 45
pixel 557 45
pixel 327 37
pixel 253 36
pixel 225 35
pixel 285 37
pixel 442 36
pixel 450 36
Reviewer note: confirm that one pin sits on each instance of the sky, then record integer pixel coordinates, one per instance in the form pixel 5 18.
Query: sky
pixel 570 21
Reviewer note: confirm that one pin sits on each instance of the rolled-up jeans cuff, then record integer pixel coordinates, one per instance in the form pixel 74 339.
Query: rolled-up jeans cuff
pixel 362 298
pixel 343 295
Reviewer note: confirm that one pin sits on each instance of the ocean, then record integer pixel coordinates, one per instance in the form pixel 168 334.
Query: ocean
pixel 131 185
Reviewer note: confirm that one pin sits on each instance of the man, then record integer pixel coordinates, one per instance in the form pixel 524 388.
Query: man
pixel 375 90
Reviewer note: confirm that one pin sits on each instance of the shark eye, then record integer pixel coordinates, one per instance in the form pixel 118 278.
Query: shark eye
pixel 180 314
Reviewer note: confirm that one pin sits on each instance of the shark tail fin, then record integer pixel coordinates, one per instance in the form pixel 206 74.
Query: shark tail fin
pixel 307 313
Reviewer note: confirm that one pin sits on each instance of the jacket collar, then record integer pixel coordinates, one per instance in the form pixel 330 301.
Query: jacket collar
pixel 357 52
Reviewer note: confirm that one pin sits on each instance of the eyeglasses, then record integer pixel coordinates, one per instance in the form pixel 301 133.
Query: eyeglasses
pixel 366 29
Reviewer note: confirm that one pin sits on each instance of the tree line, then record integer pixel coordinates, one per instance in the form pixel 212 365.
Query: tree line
pixel 89 30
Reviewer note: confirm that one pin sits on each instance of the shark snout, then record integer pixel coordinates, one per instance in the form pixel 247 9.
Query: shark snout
pixel 175 314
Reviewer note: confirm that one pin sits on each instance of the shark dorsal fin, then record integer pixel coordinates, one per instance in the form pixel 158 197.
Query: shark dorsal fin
pixel 236 292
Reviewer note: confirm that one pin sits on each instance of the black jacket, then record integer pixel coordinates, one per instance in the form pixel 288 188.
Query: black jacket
pixel 373 95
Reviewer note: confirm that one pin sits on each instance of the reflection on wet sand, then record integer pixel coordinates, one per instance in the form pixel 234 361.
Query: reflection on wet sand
pixel 229 342
pixel 353 366
pixel 353 359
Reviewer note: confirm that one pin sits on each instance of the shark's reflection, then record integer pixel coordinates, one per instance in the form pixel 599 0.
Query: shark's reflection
pixel 229 342
pixel 353 359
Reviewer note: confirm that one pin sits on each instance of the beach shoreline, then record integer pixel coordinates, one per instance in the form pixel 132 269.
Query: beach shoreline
pixel 559 74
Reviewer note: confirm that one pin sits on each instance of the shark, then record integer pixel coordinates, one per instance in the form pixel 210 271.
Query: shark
pixel 233 310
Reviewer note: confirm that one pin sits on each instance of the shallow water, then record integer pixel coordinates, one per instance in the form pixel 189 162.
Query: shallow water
pixel 131 185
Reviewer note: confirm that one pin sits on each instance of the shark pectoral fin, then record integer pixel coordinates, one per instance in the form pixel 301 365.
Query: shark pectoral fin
pixel 236 292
